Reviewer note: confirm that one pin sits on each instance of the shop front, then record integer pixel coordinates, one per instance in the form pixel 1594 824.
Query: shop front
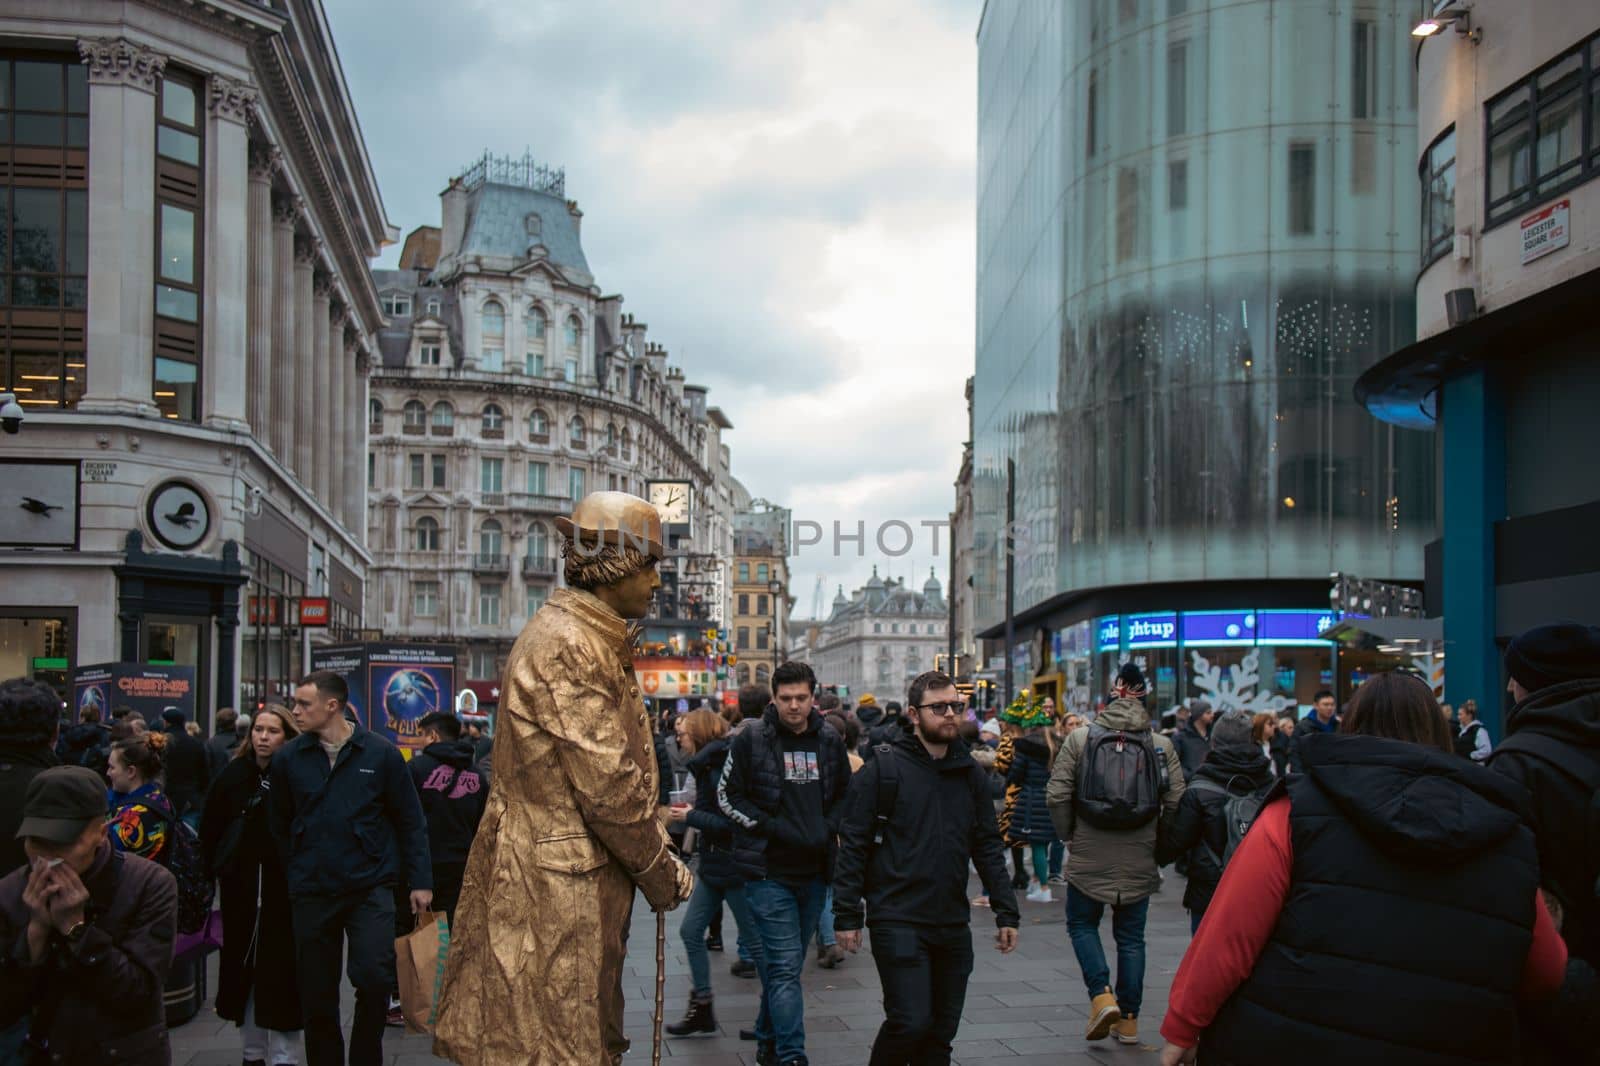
pixel 39 643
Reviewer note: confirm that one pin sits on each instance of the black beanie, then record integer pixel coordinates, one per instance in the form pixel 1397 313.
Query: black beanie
pixel 1549 655
pixel 1130 677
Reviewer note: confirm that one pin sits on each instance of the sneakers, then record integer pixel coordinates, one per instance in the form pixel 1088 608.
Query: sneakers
pixel 395 1017
pixel 713 942
pixel 1057 879
pixel 1041 894
pixel 767 1054
pixel 1126 1031
pixel 1103 1014
pixel 742 968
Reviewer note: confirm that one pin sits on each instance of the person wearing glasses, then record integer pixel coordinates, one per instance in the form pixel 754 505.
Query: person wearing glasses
pixel 915 816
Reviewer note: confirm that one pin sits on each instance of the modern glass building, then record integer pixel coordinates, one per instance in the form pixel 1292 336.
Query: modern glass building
pixel 1197 225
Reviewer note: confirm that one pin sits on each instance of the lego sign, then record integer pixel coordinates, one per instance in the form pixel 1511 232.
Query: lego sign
pixel 1546 230
pixel 314 611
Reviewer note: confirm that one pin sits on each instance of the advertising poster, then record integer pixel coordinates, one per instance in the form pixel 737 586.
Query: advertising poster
pixel 663 677
pixel 138 686
pixel 405 682
pixel 349 662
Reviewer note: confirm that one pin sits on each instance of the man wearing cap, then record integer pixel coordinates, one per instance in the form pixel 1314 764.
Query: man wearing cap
pixel 534 975
pixel 86 932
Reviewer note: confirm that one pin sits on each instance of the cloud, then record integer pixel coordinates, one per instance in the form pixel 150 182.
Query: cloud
pixel 784 192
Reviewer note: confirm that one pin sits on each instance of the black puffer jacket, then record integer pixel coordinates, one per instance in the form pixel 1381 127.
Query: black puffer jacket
pixel 751 788
pixel 80 739
pixel 1200 823
pixel 1030 772
pixel 1408 919
pixel 715 846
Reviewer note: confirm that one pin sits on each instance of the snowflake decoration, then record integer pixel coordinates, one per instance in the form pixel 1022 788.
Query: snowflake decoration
pixel 1235 692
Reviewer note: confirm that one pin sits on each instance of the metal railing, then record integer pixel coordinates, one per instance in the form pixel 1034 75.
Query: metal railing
pixel 489 563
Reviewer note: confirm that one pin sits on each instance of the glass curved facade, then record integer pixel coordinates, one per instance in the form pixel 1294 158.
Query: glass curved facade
pixel 1196 228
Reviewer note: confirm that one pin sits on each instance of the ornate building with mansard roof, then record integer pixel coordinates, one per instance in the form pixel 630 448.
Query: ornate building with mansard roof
pixel 185 312
pixel 509 387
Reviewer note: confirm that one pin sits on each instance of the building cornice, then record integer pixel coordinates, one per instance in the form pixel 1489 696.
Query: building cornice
pixel 117 59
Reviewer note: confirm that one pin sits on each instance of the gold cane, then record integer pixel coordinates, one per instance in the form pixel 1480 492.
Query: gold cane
pixel 661 986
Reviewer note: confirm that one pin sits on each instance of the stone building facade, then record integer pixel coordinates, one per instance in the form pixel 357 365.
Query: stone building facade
pixel 185 309
pixel 880 638
pixel 759 621
pixel 508 389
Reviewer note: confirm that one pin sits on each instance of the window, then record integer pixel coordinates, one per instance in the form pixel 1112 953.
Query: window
pixel 744 571
pixel 912 628
pixel 438 470
pixel 537 595
pixel 430 353
pixel 491 539
pixel 485 664
pixel 744 603
pixel 894 627
pixel 762 633
pixel 1302 189
pixel 761 603
pixel 627 444
pixel 1537 138
pixel 1438 175
pixel 538 425
pixel 44 285
pixel 1177 88
pixel 427 534
pixel 372 469
pixel 1363 69
pixel 494 419
pixel 493 361
pixel 611 439
pixel 433 308
pixel 761 572
pixel 488 605
pixel 570 371
pixel 744 638
pixel 572 336
pixel 1178 185
pixel 444 418
pixel 396 305
pixel 491 474
pixel 575 484
pixel 533 364
pixel 1091 117
pixel 877 627
pixel 415 463
pixel 538 541
pixel 425 598
pixel 494 321
pixel 179 252
pixel 414 415
pixel 538 478
pixel 533 328
pixel 375 413
pixel 1127 214
pixel 576 431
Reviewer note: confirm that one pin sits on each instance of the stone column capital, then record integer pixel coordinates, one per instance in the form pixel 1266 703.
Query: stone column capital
pixel 232 100
pixel 363 364
pixel 285 210
pixel 264 160
pixel 322 284
pixel 306 250
pixel 117 60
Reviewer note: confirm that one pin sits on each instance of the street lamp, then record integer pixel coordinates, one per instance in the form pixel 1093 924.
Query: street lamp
pixel 775 587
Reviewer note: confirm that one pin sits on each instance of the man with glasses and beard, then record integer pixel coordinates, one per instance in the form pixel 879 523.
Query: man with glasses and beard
pixel 914 817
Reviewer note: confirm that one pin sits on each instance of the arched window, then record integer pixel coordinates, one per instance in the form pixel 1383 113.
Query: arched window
pixel 574 343
pixel 494 418
pixel 533 326
pixel 415 415
pixel 611 438
pixel 494 321
pixel 490 539
pixel 627 444
pixel 538 425
pixel 427 534
pixel 444 416
pixel 375 411
pixel 576 431
pixel 761 674
pixel 538 541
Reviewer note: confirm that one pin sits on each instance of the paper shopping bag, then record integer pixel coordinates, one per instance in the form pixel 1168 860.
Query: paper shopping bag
pixel 419 964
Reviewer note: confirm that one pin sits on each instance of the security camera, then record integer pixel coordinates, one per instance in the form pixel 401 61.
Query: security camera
pixel 11 412
pixel 256 492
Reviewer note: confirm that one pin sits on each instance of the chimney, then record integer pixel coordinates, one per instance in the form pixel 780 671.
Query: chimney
pixel 453 212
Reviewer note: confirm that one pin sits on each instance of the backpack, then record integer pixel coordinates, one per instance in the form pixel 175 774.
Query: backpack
pixel 1577 765
pixel 1121 777
pixel 888 791
pixel 1238 811
pixel 182 859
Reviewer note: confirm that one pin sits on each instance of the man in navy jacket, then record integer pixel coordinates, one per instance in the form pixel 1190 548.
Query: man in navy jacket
pixel 348 822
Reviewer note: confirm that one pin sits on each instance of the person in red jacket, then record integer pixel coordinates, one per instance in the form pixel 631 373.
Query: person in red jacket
pixel 1394 889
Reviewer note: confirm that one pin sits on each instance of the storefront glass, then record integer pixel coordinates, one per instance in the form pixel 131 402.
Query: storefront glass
pixel 41 647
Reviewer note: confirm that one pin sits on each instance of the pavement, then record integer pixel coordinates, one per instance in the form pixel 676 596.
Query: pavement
pixel 1026 1008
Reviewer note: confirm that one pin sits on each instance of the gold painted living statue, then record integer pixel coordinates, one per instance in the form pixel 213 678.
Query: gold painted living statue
pixel 534 972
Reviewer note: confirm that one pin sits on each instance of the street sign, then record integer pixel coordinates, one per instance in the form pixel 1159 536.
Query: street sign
pixel 1546 231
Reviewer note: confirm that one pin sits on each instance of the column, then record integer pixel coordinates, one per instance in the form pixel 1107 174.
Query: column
pixel 281 415
pixel 223 349
pixel 122 196
pixel 338 458
pixel 353 498
pixel 261 385
pixel 320 402
pixel 305 252
pixel 1472 419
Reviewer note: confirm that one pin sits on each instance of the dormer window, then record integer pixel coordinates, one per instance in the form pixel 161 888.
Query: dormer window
pixel 533 225
pixel 396 305
pixel 433 308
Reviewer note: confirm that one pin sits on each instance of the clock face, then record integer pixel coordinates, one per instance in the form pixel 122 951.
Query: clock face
pixel 178 515
pixel 671 498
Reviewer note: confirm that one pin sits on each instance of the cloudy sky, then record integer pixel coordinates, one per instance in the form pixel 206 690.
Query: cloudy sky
pixel 783 191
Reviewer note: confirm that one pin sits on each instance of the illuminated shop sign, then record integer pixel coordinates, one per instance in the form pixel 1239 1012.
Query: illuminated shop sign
pixel 1108 633
pixel 1214 629
pixel 1153 630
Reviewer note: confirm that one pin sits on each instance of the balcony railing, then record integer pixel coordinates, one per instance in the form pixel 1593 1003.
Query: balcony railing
pixel 538 501
pixel 493 499
pixel 411 430
pixel 493 434
pixel 536 567
pixel 490 563
pixel 442 431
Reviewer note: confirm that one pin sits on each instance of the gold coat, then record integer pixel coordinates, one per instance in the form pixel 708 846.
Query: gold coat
pixel 534 972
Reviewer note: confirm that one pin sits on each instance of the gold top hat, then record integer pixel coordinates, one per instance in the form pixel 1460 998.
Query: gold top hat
pixel 619 518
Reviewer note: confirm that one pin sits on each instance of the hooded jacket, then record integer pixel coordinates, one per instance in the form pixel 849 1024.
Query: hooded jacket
pixel 942 819
pixel 1569 713
pixel 1112 866
pixel 453 796
pixel 1201 823
pixel 1411 905
pixel 715 845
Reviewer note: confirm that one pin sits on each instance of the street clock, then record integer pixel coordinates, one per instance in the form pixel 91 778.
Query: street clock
pixel 673 499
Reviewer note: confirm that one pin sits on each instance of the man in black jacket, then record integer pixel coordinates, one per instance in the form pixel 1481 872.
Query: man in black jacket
pixel 914 818
pixel 188 767
pixel 1193 738
pixel 348 823
pixel 29 721
pixel 453 796
pixel 783 788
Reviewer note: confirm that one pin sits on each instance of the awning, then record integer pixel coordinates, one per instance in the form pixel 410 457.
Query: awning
pixel 1402 389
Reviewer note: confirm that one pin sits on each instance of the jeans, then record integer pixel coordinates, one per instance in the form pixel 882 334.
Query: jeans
pixel 707 900
pixel 1194 921
pixel 784 916
pixel 1127 929
pixel 924 971
pixel 825 920
pixel 321 926
pixel 1058 854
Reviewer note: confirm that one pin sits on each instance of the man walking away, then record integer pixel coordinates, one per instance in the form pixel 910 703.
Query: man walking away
pixel 453 795
pixel 188 767
pixel 78 740
pixel 783 788
pixel 224 741
pixel 86 933
pixel 347 821
pixel 914 818
pixel 1322 718
pixel 1193 739
pixel 29 723
pixel 1472 742
pixel 1114 789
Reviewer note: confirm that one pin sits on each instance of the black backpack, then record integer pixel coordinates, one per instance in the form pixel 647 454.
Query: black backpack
pixel 1239 811
pixel 1121 777
pixel 182 858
